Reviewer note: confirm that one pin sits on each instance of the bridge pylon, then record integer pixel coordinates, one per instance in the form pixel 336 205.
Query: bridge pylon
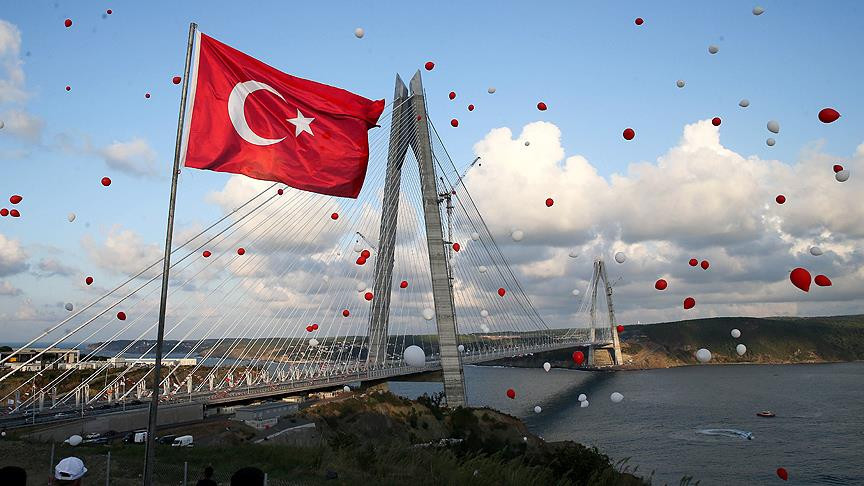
pixel 410 128
pixel 598 276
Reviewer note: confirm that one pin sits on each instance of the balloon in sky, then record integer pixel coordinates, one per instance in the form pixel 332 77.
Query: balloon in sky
pixel 782 474
pixel 429 65
pixel 620 257
pixel 616 397
pixel 452 95
pixel 454 123
pixel 693 262
pixel 744 103
pixel 346 313
pixel 361 286
pixel 106 181
pixel 482 269
pixel 549 202
pixel 358 247
pixel 815 251
pixel 88 280
pixel 527 143
pixel 68 306
pixel 121 315
pixel 15 199
pixel 334 216
pixel 241 251
pixel 71 217
pixel 368 296
pixel 661 284
pixel 773 126
pixel 689 303
pixel 712 49
pixel 679 83
pixel 704 264
pixel 781 199
pixel 582 397
pixel 828 115
pixel 206 254
pixel 403 284
pixel 619 328
pixel 583 404
pixel 461 348
pixel 770 142
pixel 517 235
pixel 511 393
pixel 470 107
pixel 716 121
pixel 14 213
pixel 456 247
pixel 428 314
pixel 73 440
pixel 628 134
pixel 547 366
pixel 4 212
pixel 576 292
pixel 2 124
pixel 837 168
pixel 578 357
pixel 176 79
pixel 638 21
pixel 822 281
pixel 359 32
pixel 574 253
pixel 703 355
pixel 67 23
pixel 740 349
pixel 735 333
pixel 365 253
pixel 484 313
pixel 537 409
pixel 491 90
pixel 541 106
pixel 346 388
pixel 475 236
pixel 758 10
pixel 842 176
pixel 501 291
pixel 800 278
pixel 313 342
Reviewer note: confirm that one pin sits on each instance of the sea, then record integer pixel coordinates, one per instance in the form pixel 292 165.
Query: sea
pixel 693 421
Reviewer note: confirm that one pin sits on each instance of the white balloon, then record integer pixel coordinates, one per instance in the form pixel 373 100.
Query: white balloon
pixel 758 10
pixel 679 83
pixel 744 103
pixel 703 355
pixel 358 247
pixel 414 356
pixel 326 279
pixel 74 440
pixel 547 366
pixel 346 388
pixel 574 253
pixel 517 235
pixel 537 409
pixel 582 397
pixel 482 269
pixel 71 217
pixel 527 143
pixel 713 49
pixel 484 328
pixel 461 348
pixel 361 286
pixel 484 313
pixel 475 236
pixel 359 32
pixel 583 404
pixel 770 142
pixel 815 250
pixel 2 124
pixel 620 257
pixel 575 292
pixel 616 397
pixel 735 333
pixel 428 314
pixel 313 342
pixel 842 176
pixel 740 349
pixel 490 90
pixel 773 126
pixel 68 306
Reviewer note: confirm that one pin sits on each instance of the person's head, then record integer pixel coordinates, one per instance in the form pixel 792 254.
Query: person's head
pixel 208 472
pixel 69 472
pixel 248 476
pixel 13 476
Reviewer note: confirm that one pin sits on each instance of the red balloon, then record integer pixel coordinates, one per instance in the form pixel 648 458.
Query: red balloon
pixel 4 212
pixel 822 281
pixel 280 192
pixel 619 328
pixel 828 115
pixel 345 313
pixel 241 251
pixel 660 284
pixel 109 11
pixel 106 181
pixel 419 117
pixel 549 202
pixel 361 260
pixel 470 107
pixel 68 23
pixel 430 65
pixel 704 264
pixel 578 357
pixel 403 284
pixel 501 292
pixel 689 303
pixel 782 474
pixel 121 315
pixel 716 121
pixel 800 278
pixel 780 199
pixel 639 20
pixel 15 199
pixel 629 133
pixel 456 247
pixel 365 254
pixel 693 262
pixel 147 95
pixel 176 79
pixel 206 254
pixel 14 213
pixel 454 123
pixel 541 106
pixel 452 95
pixel 314 327
pixel 511 393
pixel 88 280
pixel 309 329
pixel 68 88
pixel 334 216
pixel 837 168
pixel 368 296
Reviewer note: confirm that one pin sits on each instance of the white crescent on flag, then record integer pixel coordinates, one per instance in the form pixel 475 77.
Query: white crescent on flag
pixel 236 111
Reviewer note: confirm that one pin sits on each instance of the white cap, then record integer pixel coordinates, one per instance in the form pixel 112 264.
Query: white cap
pixel 69 469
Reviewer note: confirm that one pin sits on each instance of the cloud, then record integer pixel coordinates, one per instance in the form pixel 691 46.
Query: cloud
pixel 48 267
pixel 134 157
pixel 11 70
pixel 12 258
pixel 22 124
pixel 26 311
pixel 123 252
pixel 7 288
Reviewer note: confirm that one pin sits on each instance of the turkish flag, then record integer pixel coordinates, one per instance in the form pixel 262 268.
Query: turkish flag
pixel 249 118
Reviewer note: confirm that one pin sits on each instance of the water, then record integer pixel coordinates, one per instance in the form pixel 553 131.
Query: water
pixel 818 434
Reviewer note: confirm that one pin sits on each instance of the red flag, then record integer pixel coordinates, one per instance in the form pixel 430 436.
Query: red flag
pixel 249 118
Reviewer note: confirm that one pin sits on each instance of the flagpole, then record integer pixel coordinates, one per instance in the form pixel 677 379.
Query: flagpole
pixel 157 371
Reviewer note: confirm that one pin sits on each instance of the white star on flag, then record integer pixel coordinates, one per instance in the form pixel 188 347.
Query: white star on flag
pixel 301 124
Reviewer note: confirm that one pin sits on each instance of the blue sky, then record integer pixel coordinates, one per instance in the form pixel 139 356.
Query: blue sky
pixel 597 71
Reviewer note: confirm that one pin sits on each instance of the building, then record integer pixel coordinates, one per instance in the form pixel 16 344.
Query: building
pixel 51 358
pixel 265 415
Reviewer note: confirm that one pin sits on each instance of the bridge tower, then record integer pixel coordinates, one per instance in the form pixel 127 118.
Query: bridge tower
pixel 598 276
pixel 410 128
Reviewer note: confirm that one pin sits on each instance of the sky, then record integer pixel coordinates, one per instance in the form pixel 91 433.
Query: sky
pixel 681 188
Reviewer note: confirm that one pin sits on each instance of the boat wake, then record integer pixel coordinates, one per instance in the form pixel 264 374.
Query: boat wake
pixel 733 433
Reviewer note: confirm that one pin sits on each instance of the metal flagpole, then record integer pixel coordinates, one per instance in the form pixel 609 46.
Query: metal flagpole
pixel 157 372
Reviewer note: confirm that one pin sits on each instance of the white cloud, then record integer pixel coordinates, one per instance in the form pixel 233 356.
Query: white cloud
pixel 7 288
pixel 123 252
pixel 22 124
pixel 11 70
pixel 134 157
pixel 48 267
pixel 12 258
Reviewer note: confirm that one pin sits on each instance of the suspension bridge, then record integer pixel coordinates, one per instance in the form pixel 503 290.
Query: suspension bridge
pixel 291 291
